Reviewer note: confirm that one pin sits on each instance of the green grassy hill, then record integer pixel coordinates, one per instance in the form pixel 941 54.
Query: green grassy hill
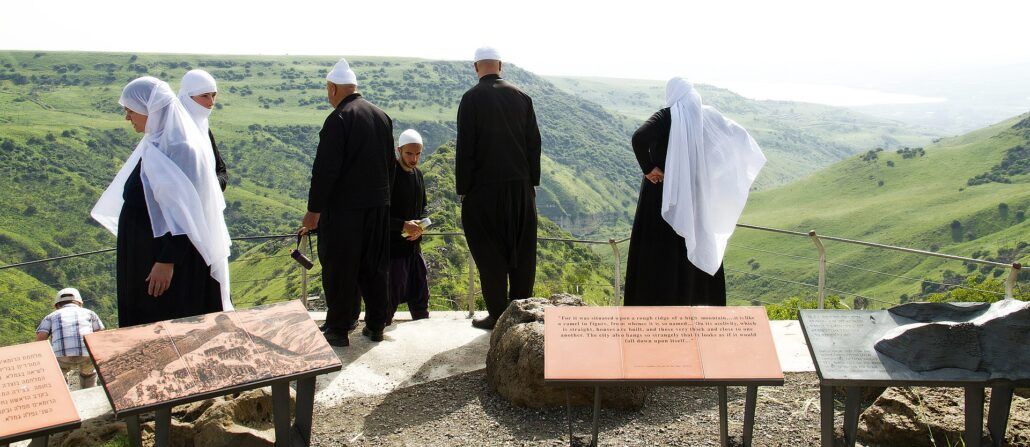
pixel 798 138
pixel 928 200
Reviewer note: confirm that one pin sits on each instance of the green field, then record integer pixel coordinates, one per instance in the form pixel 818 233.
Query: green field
pixel 923 202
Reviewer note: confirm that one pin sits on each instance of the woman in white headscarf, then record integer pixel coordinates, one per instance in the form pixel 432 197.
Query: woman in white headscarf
pixel 197 94
pixel 165 207
pixel 698 167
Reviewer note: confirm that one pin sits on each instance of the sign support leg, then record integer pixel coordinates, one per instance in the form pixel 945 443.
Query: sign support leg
pixel 974 416
pixel 724 429
pixel 750 401
pixel 826 415
pixel 597 415
pixel 305 409
pixel 852 402
pixel 163 427
pixel 998 416
pixel 40 441
pixel 281 412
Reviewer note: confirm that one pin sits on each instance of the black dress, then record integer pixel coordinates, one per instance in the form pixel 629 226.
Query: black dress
pixel 192 292
pixel 220 170
pixel 658 272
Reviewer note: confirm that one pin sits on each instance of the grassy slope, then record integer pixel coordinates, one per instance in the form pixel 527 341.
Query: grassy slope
pixel 914 207
pixel 798 138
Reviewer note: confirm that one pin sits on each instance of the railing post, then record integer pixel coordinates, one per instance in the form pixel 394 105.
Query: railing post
pixel 472 286
pixel 618 271
pixel 303 271
pixel 822 267
pixel 1010 283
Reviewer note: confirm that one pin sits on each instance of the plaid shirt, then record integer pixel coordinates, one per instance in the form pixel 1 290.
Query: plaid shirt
pixel 66 326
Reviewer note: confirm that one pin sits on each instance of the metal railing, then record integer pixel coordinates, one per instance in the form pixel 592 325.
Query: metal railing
pixel 817 239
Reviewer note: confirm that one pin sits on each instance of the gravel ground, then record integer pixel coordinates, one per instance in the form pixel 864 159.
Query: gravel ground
pixel 463 411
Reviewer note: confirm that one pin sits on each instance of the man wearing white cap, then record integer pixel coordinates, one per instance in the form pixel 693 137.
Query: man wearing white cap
pixel 408 219
pixel 497 166
pixel 349 204
pixel 65 328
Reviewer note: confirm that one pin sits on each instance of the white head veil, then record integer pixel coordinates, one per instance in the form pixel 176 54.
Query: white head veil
pixel 709 169
pixel 178 174
pixel 197 82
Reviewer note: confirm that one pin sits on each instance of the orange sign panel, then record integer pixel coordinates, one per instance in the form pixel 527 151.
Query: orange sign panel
pixel 658 343
pixel 33 394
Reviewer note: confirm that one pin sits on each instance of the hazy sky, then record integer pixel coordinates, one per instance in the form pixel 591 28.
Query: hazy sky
pixel 864 44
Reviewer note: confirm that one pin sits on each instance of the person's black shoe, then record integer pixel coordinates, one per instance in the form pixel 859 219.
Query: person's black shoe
pixel 335 338
pixel 372 335
pixel 352 326
pixel 486 322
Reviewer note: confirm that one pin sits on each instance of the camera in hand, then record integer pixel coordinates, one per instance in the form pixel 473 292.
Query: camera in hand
pixel 300 257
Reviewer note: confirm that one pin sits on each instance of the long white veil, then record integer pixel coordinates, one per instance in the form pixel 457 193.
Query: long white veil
pixel 709 168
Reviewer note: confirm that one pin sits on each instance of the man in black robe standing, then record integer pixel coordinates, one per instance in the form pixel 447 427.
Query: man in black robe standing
pixel 349 204
pixel 497 166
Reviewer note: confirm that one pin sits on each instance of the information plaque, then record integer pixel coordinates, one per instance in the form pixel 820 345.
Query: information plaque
pixel 180 360
pixel 670 345
pixel 675 343
pixel 34 398
pixel 843 348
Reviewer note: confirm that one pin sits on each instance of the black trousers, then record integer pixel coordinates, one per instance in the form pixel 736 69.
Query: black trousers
pixel 354 249
pixel 500 223
pixel 409 284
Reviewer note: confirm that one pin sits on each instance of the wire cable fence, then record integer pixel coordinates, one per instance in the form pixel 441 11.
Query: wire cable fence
pixel 265 274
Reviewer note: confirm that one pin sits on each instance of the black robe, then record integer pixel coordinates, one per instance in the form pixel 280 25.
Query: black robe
pixel 658 272
pixel 350 187
pixel 408 273
pixel 407 202
pixel 497 164
pixel 220 170
pixel 192 291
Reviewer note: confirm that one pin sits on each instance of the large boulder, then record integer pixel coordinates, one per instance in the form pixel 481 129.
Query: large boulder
pixel 913 416
pixel 515 362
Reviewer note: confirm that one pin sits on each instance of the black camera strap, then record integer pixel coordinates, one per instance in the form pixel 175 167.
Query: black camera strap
pixel 310 246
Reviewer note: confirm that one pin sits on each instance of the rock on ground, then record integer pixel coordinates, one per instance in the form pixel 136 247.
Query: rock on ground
pixel 241 421
pixel 915 416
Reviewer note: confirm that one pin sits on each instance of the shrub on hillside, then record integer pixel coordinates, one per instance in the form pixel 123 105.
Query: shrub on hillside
pixel 789 309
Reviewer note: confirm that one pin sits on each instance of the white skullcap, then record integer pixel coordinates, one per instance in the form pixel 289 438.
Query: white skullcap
pixel 197 82
pixel 341 74
pixel 487 53
pixel 409 136
pixel 68 294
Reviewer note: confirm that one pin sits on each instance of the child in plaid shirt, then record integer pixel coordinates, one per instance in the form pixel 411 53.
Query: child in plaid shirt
pixel 65 328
